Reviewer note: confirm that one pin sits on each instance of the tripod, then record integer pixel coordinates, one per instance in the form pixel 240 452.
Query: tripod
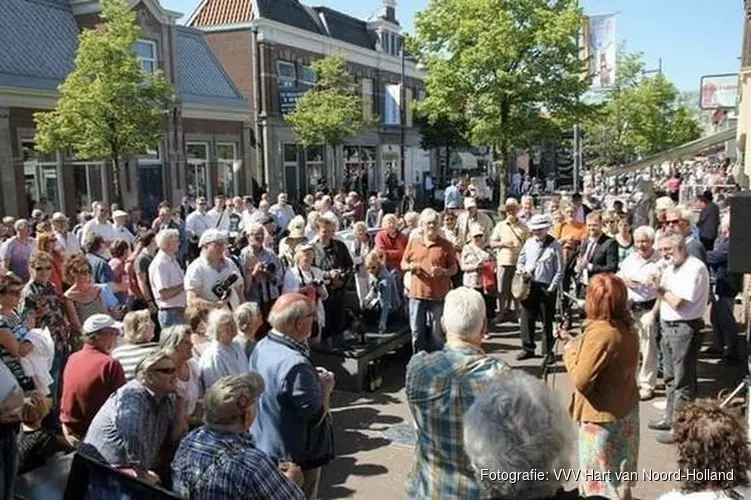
pixel 744 384
pixel 562 317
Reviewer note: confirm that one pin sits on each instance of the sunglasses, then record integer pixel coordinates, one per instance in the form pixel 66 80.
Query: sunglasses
pixel 43 268
pixel 673 221
pixel 166 371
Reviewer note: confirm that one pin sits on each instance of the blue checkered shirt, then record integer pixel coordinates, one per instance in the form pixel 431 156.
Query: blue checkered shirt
pixel 220 465
pixel 441 386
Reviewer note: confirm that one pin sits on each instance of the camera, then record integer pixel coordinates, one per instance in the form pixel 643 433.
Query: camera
pixel 318 283
pixel 222 288
pixel 270 267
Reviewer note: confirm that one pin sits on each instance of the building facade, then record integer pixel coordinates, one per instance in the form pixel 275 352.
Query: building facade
pixel 267 47
pixel 206 146
pixel 744 101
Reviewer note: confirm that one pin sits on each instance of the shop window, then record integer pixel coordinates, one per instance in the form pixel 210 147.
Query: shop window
pixel 196 177
pixel 226 158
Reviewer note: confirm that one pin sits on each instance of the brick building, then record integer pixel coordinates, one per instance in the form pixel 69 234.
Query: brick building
pixel 206 144
pixel 266 46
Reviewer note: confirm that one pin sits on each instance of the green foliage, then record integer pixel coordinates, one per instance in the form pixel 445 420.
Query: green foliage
pixel 109 108
pixel 510 67
pixel 641 115
pixel 332 111
pixel 443 133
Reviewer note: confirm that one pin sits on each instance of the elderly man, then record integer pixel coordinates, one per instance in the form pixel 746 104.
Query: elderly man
pixel 236 216
pixel 540 261
pixel 678 221
pixel 167 279
pixel 230 407
pixel 518 428
pixel 219 214
pixel 213 272
pixel 440 388
pixel 293 420
pixel 99 225
pixel 263 212
pixel 196 223
pixel 470 217
pixel 598 253
pixel 328 213
pixel 507 240
pixel 66 240
pixel 282 211
pixel 91 375
pixel 132 428
pixel 636 271
pixel 431 261
pixel 682 293
pixel 119 226
pixel 334 259
pixel 262 270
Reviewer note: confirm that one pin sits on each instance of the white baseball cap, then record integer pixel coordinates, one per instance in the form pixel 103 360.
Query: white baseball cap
pixel 212 236
pixel 119 213
pixel 98 322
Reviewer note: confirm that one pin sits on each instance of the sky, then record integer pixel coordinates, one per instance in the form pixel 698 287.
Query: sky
pixel 693 37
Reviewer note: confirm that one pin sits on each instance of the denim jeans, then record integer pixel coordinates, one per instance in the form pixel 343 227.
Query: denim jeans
pixel 724 325
pixel 171 317
pixel 425 323
pixel 680 346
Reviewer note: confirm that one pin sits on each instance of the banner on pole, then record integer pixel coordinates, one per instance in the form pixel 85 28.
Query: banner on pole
pixel 602 50
pixel 719 91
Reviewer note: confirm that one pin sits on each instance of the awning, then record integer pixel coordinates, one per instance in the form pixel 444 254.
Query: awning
pixel 687 149
pixel 463 161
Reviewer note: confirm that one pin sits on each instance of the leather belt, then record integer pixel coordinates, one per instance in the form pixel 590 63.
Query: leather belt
pixel 643 306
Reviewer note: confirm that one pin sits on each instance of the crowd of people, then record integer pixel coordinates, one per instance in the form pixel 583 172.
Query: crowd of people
pixel 178 351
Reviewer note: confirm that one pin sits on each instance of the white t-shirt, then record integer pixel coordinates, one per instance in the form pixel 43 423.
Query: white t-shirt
pixel 201 277
pixel 165 272
pixel 690 282
pixel 636 268
pixel 196 223
pixel 103 229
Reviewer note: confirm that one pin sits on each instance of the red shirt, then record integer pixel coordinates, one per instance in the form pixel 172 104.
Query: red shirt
pixel 391 248
pixel 89 378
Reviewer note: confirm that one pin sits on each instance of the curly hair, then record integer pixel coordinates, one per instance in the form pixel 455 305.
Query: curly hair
pixel 712 438
pixel 75 266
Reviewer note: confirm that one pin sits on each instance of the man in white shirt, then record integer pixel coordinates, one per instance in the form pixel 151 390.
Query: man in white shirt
pixel 682 293
pixel 219 214
pixel 196 224
pixel 211 269
pixel 636 272
pixel 328 213
pixel 282 211
pixel 263 213
pixel 167 279
pixel 67 242
pixel 119 220
pixel 99 225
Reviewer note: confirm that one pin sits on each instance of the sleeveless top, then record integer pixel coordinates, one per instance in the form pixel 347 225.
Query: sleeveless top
pixel 96 306
pixel 12 362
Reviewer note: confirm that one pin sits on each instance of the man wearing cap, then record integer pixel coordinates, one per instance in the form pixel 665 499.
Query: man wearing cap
pixel 119 221
pixel 282 211
pixel 229 408
pixel 507 240
pixel 90 376
pixel 67 242
pixel 213 268
pixel 472 216
pixel 133 427
pixel 99 225
pixel 196 224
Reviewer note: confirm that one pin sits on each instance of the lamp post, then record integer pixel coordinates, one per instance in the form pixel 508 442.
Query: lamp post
pixel 402 114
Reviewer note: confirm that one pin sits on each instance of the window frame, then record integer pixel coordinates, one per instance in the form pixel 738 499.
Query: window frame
pixel 280 63
pixel 307 71
pixel 153 60
pixel 227 163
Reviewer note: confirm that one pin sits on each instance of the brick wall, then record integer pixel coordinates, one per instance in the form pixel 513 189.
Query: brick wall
pixel 233 49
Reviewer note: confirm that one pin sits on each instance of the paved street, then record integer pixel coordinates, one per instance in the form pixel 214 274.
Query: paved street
pixel 372 430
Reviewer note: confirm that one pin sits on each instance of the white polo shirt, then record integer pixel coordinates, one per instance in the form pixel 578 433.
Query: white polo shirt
pixel 196 223
pixel 690 282
pixel 103 229
pixel 201 277
pixel 165 272
pixel 636 268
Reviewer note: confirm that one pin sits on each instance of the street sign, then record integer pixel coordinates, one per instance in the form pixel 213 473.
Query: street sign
pixel 288 97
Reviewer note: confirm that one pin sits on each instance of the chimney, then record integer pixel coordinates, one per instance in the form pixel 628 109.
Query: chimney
pixel 388 11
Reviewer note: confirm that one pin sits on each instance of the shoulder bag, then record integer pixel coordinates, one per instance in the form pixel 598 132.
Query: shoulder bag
pixel 521 284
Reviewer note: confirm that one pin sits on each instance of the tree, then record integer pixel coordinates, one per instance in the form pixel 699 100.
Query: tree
pixel 443 133
pixel 109 108
pixel 331 111
pixel 511 68
pixel 640 116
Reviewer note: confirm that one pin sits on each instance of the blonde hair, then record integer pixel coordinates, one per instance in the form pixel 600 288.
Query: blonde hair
pixel 217 319
pixel 226 401
pixel 35 408
pixel 135 325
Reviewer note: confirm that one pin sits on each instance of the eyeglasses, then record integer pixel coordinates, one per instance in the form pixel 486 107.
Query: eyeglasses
pixel 166 371
pixel 43 268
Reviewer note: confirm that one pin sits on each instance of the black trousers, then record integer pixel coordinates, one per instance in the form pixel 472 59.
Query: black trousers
pixel 335 314
pixel 540 304
pixel 708 243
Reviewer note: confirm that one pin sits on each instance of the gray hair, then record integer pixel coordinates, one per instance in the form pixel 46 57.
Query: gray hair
pixel 464 313
pixel 143 366
pixel 164 236
pixel 644 232
pixel 517 425
pixel 675 239
pixel 245 313
pixel 252 227
pixel 171 337
pixel 20 224
pixel 134 325
pixel 427 216
pixel 284 319
pixel 225 402
pixel 217 319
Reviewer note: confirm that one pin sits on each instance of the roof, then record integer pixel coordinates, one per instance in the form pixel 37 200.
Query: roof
pixel 39 40
pixel 218 12
pixel 348 29
pixel 201 78
pixel 291 13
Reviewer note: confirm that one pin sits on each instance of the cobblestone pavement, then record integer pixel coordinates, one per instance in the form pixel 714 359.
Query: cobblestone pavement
pixel 373 430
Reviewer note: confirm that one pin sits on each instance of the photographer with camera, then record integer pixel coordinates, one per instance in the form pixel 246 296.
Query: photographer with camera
pixel 334 259
pixel 307 279
pixel 213 280
pixel 263 272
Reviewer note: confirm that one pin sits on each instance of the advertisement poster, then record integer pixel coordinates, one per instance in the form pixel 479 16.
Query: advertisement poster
pixel 602 49
pixel 719 91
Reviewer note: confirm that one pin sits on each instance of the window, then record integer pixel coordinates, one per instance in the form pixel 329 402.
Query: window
pixel 146 54
pixel 366 92
pixel 308 77
pixel 359 168
pixel 286 75
pixel 226 160
pixel 40 178
pixel 315 169
pixel 196 177
pixel 391 105
pixel 88 181
pixel 408 107
pixel 291 165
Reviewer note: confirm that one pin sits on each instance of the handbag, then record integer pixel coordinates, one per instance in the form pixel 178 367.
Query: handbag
pixel 521 284
pixel 489 280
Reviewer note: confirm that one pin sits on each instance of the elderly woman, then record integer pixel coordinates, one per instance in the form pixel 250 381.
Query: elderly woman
pixel 84 298
pixel 515 426
pixel 374 213
pixel 12 349
pixel 16 251
pixel 359 247
pixel 311 225
pixel 527 209
pixel 473 262
pixel 249 320
pixel 245 472
pixel 383 300
pixel 390 242
pixel 711 440
pixel 602 364
pixel 138 332
pixel 223 356
pixel 175 342
pixel 196 316
pixel 295 237
pixel 307 279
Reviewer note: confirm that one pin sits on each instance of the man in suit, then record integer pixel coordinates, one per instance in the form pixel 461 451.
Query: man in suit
pixel 709 220
pixel 599 253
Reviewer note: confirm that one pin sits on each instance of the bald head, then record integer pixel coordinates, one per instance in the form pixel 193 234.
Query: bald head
pixel 293 315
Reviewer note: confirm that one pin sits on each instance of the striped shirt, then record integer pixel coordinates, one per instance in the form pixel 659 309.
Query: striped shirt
pixel 129 355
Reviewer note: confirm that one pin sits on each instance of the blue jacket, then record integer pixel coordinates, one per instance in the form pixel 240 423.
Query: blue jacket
pixel 727 284
pixel 290 424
